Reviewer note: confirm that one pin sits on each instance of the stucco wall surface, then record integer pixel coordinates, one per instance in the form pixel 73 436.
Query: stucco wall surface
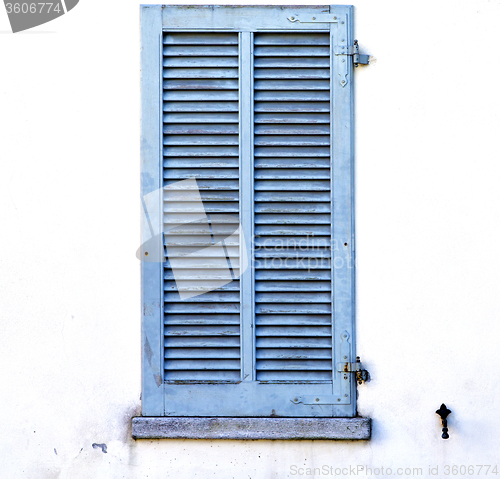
pixel 428 261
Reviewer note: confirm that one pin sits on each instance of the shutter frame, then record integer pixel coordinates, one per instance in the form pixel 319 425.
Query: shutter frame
pixel 151 181
pixel 226 399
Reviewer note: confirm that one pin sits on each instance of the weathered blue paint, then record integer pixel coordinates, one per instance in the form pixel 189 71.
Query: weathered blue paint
pixel 263 120
pixel 151 291
pixel 342 155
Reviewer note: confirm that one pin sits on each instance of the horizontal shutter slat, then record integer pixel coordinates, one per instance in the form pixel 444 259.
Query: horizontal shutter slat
pixel 295 219
pixel 202 342
pixel 292 308
pixel 289 74
pixel 198 274
pixel 297 107
pixel 200 73
pixel 294 320
pixel 201 95
pixel 292 62
pixel 295 196
pixel 176 50
pixel 293 331
pixel 202 61
pixel 293 286
pixel 295 353
pixel 292 208
pixel 299 230
pixel 302 96
pixel 292 129
pixel 291 117
pixel 295 185
pixel 292 174
pixel 291 51
pixel 201 129
pixel 202 353
pixel 203 286
pixel 297 365
pixel 200 107
pixel 205 84
pixel 207 375
pixel 216 117
pixel 217 319
pixel 202 364
pixel 294 376
pixel 299 84
pixel 194 38
pixel 201 330
pixel 206 308
pixel 185 194
pixel 210 162
pixel 199 140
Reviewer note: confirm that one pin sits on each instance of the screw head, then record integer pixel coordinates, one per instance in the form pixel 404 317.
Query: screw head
pixel 314 18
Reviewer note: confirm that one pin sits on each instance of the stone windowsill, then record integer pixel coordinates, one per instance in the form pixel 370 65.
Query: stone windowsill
pixel 356 428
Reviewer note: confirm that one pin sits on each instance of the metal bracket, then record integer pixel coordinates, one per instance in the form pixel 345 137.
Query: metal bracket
pixel 321 400
pixel 352 50
pixel 316 18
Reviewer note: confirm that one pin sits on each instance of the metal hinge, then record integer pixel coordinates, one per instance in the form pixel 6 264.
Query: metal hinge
pixel 352 50
pixel 361 374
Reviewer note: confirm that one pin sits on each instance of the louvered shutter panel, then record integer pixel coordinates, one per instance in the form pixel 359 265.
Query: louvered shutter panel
pixel 257 110
pixel 200 140
pixel 293 310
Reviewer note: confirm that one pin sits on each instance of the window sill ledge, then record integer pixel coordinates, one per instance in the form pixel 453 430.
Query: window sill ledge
pixel 356 428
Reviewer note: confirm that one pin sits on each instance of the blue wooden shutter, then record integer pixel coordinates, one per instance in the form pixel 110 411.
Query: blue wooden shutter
pixel 255 103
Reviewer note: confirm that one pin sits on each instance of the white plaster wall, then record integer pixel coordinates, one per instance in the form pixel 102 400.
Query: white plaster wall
pixel 427 179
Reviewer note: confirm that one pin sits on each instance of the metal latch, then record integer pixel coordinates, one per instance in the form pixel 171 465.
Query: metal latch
pixel 361 374
pixel 352 50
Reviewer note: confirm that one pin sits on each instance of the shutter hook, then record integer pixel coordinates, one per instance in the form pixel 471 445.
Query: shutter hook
pixel 443 411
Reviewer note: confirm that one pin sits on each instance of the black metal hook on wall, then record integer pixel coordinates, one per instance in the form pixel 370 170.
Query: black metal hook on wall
pixel 443 412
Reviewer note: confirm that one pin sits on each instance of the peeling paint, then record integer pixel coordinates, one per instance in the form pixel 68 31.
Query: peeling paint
pixel 103 447
pixel 148 351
